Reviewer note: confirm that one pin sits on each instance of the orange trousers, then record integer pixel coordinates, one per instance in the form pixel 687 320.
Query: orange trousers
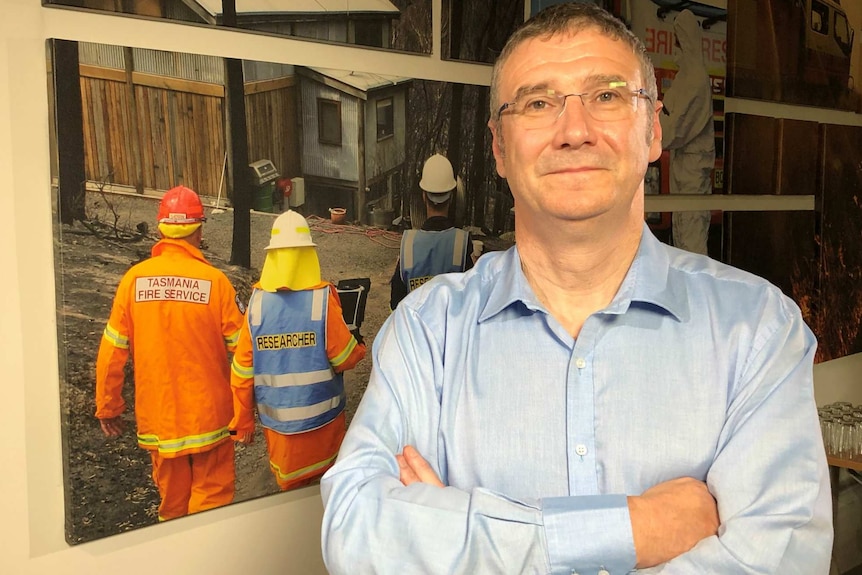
pixel 192 483
pixel 299 459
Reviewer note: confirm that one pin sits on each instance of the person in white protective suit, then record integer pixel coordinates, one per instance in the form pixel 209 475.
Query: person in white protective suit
pixel 687 131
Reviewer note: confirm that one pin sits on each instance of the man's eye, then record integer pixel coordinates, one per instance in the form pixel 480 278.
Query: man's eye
pixel 537 105
pixel 607 96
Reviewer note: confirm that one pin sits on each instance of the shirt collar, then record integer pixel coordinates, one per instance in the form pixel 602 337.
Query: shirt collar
pixel 646 282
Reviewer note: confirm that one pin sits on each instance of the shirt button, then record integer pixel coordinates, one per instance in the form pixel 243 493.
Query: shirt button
pixel 582 450
pixel 581 363
pixel 604 572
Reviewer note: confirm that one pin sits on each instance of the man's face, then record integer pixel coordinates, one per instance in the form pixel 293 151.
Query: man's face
pixel 578 168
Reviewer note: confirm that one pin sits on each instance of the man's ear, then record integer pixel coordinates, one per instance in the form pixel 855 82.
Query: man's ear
pixel 497 146
pixel 655 144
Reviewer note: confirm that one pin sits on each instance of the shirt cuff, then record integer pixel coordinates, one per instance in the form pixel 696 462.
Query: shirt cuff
pixel 588 534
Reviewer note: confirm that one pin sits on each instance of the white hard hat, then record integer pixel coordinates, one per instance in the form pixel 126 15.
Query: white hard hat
pixel 438 179
pixel 290 230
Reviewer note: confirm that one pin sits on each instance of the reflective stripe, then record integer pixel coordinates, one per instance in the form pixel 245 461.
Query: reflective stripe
pixel 299 413
pixel 116 339
pixel 232 339
pixel 342 357
pixel 255 316
pixel 241 370
pixel 460 243
pixel 188 442
pixel 317 304
pixel 292 379
pixel 303 471
pixel 407 256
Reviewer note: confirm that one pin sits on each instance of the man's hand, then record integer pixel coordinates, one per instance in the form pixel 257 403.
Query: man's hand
pixel 670 518
pixel 243 436
pixel 112 427
pixel 414 468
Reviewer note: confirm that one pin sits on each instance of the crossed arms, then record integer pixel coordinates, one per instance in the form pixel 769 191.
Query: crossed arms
pixel 391 509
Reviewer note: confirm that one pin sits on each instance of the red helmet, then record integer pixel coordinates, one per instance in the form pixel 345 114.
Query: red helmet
pixel 181 205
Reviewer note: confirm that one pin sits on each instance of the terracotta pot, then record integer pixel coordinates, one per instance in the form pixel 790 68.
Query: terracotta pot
pixel 337 215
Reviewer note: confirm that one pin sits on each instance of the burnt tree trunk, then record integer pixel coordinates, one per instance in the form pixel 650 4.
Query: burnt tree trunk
pixel 237 145
pixel 70 132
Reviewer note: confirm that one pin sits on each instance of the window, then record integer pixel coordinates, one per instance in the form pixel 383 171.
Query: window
pixel 819 17
pixel 843 33
pixel 329 121
pixel 385 119
pixel 369 33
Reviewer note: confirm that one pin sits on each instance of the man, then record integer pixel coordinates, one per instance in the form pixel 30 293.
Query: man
pixel 591 400
pixel 292 351
pixel 687 131
pixel 179 316
pixel 438 247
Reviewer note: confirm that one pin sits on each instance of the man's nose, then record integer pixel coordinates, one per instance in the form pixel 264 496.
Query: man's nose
pixel 574 126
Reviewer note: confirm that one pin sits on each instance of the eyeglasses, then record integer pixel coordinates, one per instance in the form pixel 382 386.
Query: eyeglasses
pixel 541 108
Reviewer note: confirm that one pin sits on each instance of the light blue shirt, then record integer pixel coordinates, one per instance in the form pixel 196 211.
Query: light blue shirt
pixel 694 369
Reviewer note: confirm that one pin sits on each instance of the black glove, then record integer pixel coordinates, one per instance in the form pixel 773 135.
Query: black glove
pixel 357 335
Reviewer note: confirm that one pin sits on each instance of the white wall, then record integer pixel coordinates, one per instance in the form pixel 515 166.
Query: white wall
pixel 839 380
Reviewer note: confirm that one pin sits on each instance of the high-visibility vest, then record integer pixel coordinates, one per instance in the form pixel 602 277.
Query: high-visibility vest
pixel 425 254
pixel 295 387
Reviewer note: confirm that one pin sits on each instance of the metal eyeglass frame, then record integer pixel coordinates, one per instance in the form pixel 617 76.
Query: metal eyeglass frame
pixel 639 93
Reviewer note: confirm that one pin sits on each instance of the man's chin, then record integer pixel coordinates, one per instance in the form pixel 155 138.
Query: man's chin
pixel 576 212
pixel 573 200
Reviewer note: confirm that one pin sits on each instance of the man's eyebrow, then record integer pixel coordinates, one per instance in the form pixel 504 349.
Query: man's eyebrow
pixel 590 81
pixel 603 79
pixel 531 89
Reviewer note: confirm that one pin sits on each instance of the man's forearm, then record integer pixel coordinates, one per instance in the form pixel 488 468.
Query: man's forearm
pixel 373 523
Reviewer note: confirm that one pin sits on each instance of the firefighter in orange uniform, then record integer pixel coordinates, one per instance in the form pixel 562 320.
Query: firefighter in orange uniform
pixel 179 316
pixel 292 351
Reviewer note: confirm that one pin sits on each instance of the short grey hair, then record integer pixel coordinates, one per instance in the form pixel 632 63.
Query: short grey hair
pixel 571 18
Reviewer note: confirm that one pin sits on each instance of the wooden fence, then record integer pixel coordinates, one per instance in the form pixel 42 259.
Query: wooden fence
pixel 173 131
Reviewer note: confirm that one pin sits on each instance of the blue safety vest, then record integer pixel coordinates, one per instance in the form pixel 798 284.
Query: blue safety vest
pixel 425 254
pixel 295 387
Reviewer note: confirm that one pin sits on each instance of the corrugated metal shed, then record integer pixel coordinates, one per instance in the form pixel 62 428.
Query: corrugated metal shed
pixel 256 71
pixel 180 65
pixel 194 67
pixel 102 55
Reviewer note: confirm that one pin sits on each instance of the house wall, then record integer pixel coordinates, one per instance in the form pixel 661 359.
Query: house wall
pixel 337 162
pixel 387 154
